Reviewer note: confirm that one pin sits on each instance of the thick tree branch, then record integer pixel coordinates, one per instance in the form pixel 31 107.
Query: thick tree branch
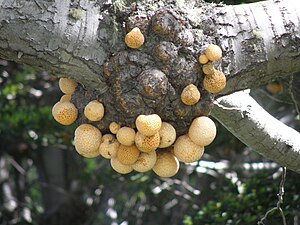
pixel 250 123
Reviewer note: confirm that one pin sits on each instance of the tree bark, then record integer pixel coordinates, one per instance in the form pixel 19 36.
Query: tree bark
pixel 249 122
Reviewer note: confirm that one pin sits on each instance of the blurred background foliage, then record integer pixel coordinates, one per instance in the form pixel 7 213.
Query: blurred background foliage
pixel 44 181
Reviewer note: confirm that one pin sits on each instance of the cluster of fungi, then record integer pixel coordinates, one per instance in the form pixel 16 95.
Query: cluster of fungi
pixel 144 135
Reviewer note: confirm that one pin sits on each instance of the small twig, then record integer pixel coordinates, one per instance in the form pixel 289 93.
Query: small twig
pixel 280 201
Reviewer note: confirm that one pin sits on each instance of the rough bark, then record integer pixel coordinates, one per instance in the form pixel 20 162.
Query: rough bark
pixel 249 122
pixel 84 40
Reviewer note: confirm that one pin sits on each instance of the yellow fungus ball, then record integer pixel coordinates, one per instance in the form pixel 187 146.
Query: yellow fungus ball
pixel 94 110
pixel 167 165
pixel 187 151
pixel 65 98
pixel 147 143
pixel 214 83
pixel 203 59
pixel 202 131
pixel 128 154
pixel 213 52
pixel 134 38
pixel 126 136
pixel 87 140
pixel 274 88
pixel 109 146
pixel 65 113
pixel 145 162
pixel 67 86
pixel 114 127
pixel 120 167
pixel 148 124
pixel 167 135
pixel 208 68
pixel 190 95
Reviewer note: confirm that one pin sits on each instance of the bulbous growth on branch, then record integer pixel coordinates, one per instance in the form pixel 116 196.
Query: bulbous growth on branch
pixel 64 112
pixel 190 95
pixel 215 82
pixel 135 38
pixel 67 86
pixel 167 135
pixel 120 167
pixel 166 165
pixel 213 52
pixel 128 155
pixel 148 125
pixel 145 162
pixel 94 110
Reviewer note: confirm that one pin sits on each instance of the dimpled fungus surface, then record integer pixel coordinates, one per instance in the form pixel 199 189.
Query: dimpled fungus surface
pixel 120 167
pixel 148 124
pixel 147 143
pixel 67 86
pixel 166 165
pixel 128 154
pixel 94 110
pixel 65 98
pixel 114 127
pixel 109 148
pixel 145 162
pixel 167 135
pixel 87 140
pixel 215 82
pixel 134 38
pixel 190 95
pixel 126 135
pixel 65 113
pixel 202 131
pixel 203 59
pixel 213 52
pixel 187 151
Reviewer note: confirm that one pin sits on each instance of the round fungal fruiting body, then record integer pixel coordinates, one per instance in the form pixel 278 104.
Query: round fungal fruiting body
pixel 167 165
pixel 203 59
pixel 65 98
pixel 134 38
pixel 274 88
pixel 94 110
pixel 109 146
pixel 214 83
pixel 120 167
pixel 145 162
pixel 213 52
pixel 202 131
pixel 167 135
pixel 208 68
pixel 190 95
pixel 126 136
pixel 128 155
pixel 186 150
pixel 65 113
pixel 67 86
pixel 114 127
pixel 148 124
pixel 87 140
pixel 147 143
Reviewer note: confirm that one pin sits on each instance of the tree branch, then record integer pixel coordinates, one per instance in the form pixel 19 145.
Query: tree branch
pixel 250 123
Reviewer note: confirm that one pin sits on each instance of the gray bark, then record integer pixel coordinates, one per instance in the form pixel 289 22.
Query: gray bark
pixel 249 122
pixel 75 38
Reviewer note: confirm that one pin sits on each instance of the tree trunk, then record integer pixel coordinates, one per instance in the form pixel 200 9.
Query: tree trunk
pixel 85 41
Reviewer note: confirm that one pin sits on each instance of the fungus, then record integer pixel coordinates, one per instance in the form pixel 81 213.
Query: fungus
pixel 114 127
pixel 190 95
pixel 202 131
pixel 87 140
pixel 94 110
pixel 128 154
pixel 203 59
pixel 134 38
pixel 167 135
pixel 186 150
pixel 148 124
pixel 208 68
pixel 65 98
pixel 213 52
pixel 145 162
pixel 166 165
pixel 126 135
pixel 215 82
pixel 147 143
pixel 65 113
pixel 67 86
pixel 120 167
pixel 109 146
pixel 274 88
